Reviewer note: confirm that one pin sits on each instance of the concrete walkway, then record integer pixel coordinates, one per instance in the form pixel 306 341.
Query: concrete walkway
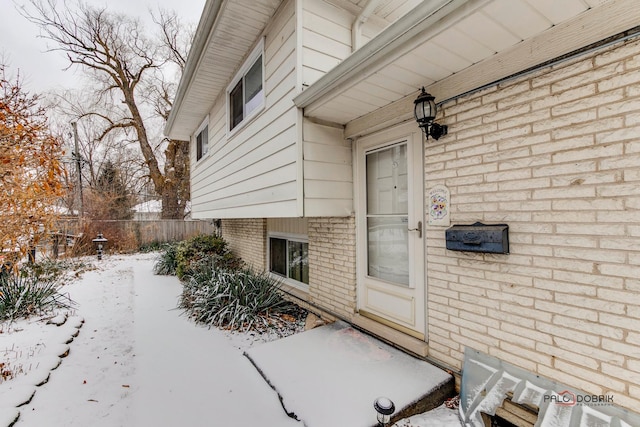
pixel 139 362
pixel 224 389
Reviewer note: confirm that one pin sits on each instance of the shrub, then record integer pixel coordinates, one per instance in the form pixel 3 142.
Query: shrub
pixel 120 240
pixel 167 262
pixel 204 247
pixel 239 299
pixel 50 269
pixel 23 295
pixel 152 247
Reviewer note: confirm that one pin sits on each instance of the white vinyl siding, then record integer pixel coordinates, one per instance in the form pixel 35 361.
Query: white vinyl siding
pixel 326 38
pixel 269 167
pixel 328 172
pixel 253 172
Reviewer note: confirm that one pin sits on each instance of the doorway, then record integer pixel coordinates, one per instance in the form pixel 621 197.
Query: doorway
pixel 390 224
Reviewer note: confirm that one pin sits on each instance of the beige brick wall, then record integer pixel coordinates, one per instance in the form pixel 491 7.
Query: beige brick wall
pixel 556 155
pixel 332 264
pixel 247 239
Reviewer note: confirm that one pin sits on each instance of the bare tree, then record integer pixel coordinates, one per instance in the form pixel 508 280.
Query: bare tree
pixel 95 151
pixel 129 68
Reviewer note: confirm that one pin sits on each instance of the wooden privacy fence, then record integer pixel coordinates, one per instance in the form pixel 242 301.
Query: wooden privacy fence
pixel 166 230
pixel 130 235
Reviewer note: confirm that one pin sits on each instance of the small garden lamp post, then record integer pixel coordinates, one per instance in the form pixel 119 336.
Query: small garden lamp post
pixel 385 408
pixel 100 243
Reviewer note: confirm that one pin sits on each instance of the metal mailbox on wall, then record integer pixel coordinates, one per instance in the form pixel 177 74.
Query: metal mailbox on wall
pixel 479 237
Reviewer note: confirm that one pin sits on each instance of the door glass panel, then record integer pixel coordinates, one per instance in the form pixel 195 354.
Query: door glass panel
pixel 387 214
pixel 388 251
pixel 387 191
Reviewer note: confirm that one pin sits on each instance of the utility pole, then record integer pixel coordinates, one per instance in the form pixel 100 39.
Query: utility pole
pixel 78 159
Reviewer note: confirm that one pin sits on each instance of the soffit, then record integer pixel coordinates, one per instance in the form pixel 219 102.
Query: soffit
pixel 385 12
pixel 233 32
pixel 448 43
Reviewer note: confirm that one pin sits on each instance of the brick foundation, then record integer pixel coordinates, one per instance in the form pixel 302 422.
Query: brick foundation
pixel 247 238
pixel 332 264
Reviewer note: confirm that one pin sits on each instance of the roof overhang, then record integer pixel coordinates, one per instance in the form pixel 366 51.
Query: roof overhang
pixel 225 35
pixel 385 75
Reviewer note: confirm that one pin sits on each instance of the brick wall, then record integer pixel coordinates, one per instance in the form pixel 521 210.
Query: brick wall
pixel 556 155
pixel 332 264
pixel 247 238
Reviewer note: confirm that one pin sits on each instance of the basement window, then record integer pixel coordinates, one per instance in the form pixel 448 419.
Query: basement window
pixel 246 92
pixel 289 258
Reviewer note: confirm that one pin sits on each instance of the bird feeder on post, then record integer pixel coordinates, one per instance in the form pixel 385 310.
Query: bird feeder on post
pixel 100 243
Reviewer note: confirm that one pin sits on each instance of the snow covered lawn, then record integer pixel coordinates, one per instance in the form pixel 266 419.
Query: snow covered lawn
pixel 136 361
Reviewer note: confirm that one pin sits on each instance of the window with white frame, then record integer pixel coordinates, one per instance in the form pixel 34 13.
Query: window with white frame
pixel 246 92
pixel 289 257
pixel 202 141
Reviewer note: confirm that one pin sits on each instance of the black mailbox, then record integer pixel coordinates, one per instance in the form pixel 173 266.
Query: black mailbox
pixel 479 237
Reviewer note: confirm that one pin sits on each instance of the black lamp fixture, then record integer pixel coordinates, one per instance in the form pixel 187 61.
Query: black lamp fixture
pixel 425 111
pixel 384 408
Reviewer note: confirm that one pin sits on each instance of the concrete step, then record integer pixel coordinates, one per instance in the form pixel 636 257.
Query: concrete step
pixel 331 375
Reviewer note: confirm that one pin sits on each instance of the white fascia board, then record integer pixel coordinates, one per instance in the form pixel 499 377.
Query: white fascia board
pixel 201 39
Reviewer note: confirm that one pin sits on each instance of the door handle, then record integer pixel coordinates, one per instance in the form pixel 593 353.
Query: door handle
pixel 418 229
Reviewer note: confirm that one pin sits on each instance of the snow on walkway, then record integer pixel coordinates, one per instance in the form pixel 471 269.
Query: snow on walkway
pixel 138 362
pixel 336 372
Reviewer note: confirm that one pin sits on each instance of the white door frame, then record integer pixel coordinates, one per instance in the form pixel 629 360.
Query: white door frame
pixel 400 307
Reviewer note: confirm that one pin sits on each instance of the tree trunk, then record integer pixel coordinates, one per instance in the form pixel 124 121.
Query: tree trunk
pixel 173 186
pixel 176 189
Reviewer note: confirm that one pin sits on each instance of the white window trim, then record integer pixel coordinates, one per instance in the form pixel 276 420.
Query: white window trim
pixel 251 59
pixel 205 123
pixel 301 238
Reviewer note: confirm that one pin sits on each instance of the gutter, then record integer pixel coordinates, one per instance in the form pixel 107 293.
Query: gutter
pixel 200 40
pixel 363 60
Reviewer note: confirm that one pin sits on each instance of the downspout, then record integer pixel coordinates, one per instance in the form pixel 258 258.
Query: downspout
pixel 356 27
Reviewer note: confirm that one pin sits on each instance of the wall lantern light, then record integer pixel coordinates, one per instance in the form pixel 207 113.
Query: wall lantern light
pixel 425 112
pixel 385 408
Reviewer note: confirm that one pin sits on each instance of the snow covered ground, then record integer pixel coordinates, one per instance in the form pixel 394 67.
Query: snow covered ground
pixel 335 373
pixel 138 362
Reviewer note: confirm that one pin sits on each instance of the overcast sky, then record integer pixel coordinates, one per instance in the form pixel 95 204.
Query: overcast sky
pixel 21 49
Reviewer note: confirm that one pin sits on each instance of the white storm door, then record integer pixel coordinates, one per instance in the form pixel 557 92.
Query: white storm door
pixel 390 237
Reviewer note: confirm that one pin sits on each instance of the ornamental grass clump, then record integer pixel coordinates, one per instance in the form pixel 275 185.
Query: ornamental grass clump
pixel 167 262
pixel 24 295
pixel 233 299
